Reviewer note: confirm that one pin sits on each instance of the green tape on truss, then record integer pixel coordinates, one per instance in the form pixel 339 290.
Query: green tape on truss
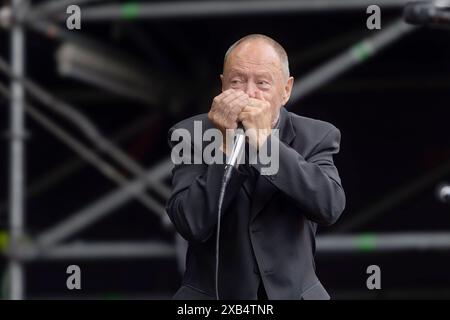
pixel 112 296
pixel 366 242
pixel 362 51
pixel 3 240
pixel 130 10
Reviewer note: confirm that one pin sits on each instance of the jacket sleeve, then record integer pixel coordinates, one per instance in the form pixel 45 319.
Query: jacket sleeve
pixel 313 183
pixel 193 205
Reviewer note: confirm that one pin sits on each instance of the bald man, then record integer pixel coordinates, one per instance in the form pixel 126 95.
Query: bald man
pixel 268 222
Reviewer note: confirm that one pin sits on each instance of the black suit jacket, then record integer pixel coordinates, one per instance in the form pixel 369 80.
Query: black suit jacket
pixel 269 234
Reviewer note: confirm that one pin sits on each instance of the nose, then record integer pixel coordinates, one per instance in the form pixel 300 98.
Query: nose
pixel 251 89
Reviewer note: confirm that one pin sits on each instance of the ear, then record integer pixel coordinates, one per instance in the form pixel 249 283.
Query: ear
pixel 288 90
pixel 221 80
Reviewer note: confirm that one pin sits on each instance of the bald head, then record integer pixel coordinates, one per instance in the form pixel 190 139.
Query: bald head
pixel 256 40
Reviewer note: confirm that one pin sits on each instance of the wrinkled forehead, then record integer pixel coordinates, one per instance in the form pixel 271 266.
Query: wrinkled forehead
pixel 254 56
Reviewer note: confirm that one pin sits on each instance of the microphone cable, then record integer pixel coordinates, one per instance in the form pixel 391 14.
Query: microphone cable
pixel 225 180
pixel 232 160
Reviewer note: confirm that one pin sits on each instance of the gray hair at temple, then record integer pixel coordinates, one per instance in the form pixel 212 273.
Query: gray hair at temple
pixel 275 45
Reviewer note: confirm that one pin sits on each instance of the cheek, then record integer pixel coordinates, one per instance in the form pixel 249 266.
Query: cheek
pixel 274 104
pixel 225 86
pixel 275 99
pixel 279 96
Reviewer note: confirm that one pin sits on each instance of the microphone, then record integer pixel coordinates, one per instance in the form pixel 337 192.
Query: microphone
pixel 238 147
pixel 443 193
pixel 425 13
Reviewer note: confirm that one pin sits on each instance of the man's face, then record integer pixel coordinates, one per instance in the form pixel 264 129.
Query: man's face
pixel 255 66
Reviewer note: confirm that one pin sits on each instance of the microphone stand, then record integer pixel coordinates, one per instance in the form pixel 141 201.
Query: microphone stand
pixel 232 161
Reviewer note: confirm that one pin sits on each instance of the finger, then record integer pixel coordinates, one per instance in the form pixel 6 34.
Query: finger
pixel 245 123
pixel 225 94
pixel 254 102
pixel 228 91
pixel 227 114
pixel 234 108
pixel 231 125
pixel 236 94
pixel 232 116
pixel 221 111
pixel 238 104
pixel 244 116
pixel 249 109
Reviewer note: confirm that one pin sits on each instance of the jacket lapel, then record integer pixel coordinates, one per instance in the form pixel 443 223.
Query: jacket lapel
pixel 264 189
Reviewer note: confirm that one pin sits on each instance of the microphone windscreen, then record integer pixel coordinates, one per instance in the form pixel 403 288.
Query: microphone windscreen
pixel 417 13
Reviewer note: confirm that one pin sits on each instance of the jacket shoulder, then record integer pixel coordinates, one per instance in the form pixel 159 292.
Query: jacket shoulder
pixel 313 134
pixel 314 126
pixel 189 126
pixel 188 123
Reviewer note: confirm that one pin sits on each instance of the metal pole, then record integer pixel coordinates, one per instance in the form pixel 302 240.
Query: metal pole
pixel 198 9
pixel 384 242
pixel 100 250
pixel 87 127
pixel 52 6
pixel 51 178
pixel 17 183
pixel 364 243
pixel 350 58
pixel 100 208
pixel 394 198
pixel 90 156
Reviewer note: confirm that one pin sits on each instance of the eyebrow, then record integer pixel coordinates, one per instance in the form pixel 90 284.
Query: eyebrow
pixel 264 74
pixel 234 70
pixel 240 72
